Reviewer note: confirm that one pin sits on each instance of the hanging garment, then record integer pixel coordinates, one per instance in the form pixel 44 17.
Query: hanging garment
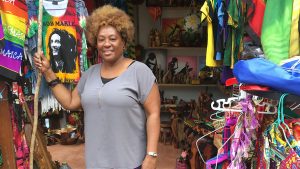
pixel 234 41
pixel 255 14
pixel 207 13
pixel 220 30
pixel 62 38
pixel 14 20
pixel 276 30
pixel 1 35
pixel 294 35
pixel 291 161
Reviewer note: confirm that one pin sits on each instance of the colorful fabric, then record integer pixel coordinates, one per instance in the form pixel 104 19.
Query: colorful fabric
pixel 276 30
pixel 207 13
pixel 234 42
pixel 1 159
pixel 292 161
pixel 1 34
pixel 14 19
pixel 62 38
pixel 294 35
pixel 256 14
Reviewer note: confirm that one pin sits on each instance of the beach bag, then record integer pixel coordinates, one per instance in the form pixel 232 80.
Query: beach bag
pixel 261 71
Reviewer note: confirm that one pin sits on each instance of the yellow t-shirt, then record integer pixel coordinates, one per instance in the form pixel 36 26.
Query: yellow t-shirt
pixel 210 50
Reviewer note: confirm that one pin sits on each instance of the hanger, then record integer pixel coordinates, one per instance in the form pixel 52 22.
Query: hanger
pixel 268 106
pixel 1 94
pixel 225 105
pixel 278 125
pixel 216 114
pixel 294 106
pixel 222 144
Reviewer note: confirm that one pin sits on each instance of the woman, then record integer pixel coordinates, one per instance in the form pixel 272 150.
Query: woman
pixel 119 97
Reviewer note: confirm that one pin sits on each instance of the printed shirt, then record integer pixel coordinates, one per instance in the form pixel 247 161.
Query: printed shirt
pixel 14 19
pixel 62 16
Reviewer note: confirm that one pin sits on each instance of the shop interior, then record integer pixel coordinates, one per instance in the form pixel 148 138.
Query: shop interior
pixel 229 98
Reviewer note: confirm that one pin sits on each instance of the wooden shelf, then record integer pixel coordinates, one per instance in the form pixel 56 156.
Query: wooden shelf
pixel 178 48
pixel 186 85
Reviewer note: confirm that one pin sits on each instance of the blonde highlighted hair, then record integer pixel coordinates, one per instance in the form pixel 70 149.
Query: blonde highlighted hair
pixel 108 15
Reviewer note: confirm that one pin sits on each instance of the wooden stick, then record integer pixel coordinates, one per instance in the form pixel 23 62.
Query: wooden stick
pixel 37 86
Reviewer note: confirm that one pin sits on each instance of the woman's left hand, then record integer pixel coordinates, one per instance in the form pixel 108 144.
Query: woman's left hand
pixel 149 162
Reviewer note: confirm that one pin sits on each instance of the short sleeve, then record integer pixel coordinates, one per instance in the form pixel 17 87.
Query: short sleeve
pixel 83 79
pixel 146 79
pixel 81 83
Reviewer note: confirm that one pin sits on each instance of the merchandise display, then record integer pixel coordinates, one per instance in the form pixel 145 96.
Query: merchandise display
pixel 245 77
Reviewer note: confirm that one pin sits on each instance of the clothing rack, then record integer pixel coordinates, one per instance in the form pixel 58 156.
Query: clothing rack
pixel 42 157
pixel 275 95
pixel 6 133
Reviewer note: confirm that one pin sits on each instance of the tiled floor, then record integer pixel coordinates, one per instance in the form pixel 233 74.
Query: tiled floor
pixel 74 155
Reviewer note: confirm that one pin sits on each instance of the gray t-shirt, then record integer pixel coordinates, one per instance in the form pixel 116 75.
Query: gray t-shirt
pixel 115 120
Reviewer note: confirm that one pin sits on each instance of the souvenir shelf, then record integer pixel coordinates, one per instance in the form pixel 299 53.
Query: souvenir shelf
pixel 200 49
pixel 185 85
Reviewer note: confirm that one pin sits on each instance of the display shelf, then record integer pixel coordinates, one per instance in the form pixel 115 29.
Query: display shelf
pixel 178 48
pixel 186 85
pixel 168 105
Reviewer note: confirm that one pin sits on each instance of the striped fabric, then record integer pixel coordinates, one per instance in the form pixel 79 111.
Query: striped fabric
pixel 1 34
pixel 14 19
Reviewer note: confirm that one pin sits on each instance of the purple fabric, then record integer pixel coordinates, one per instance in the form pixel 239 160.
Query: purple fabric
pixel 1 35
pixel 1 30
pixel 216 160
pixel 226 74
pixel 11 56
pixel 244 133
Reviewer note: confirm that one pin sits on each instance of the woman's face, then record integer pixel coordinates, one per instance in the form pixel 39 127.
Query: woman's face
pixel 110 44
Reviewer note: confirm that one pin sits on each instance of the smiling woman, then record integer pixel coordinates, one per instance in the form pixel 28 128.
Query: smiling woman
pixel 118 88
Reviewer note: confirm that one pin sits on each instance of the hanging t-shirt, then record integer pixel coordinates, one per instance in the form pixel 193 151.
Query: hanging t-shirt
pixel 276 29
pixel 1 35
pixel 62 38
pixel 14 19
pixel 207 13
pixel 294 35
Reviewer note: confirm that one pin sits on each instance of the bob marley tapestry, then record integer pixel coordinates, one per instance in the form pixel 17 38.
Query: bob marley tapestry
pixel 62 38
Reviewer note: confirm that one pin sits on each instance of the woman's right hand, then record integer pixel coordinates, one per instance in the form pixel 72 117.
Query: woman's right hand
pixel 41 62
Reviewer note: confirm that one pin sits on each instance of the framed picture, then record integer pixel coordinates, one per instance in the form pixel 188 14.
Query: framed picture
pixel 184 64
pixel 172 29
pixel 155 59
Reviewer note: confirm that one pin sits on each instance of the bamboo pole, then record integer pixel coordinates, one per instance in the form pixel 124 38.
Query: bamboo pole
pixel 37 86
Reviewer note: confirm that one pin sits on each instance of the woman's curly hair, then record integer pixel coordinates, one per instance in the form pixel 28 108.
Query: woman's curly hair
pixel 109 15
